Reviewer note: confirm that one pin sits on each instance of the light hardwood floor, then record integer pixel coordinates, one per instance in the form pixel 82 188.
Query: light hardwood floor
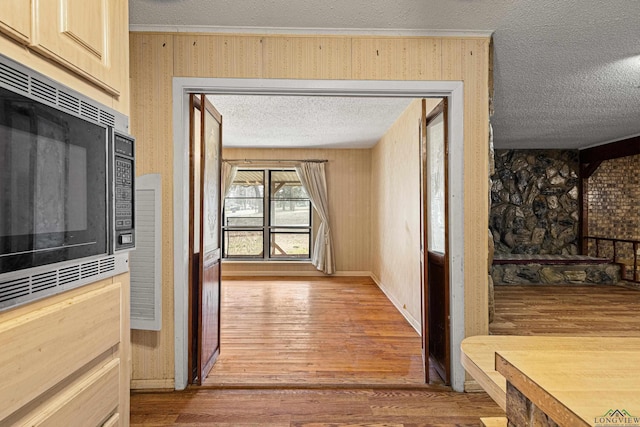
pixel 311 408
pixel 296 353
pixel 520 310
pixel 566 310
pixel 314 332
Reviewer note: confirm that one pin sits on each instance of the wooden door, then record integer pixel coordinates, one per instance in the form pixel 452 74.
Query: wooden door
pixel 204 237
pixel 437 238
pixel 424 274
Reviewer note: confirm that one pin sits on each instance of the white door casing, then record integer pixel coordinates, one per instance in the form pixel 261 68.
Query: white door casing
pixel 453 90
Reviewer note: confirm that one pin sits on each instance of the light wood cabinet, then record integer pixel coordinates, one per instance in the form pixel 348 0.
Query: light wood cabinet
pixel 87 37
pixel 65 360
pixel 79 34
pixel 15 20
pixel 92 400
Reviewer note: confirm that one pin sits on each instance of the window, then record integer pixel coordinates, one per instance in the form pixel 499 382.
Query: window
pixel 267 225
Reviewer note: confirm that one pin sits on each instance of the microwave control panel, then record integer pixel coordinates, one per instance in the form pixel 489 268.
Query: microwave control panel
pixel 123 192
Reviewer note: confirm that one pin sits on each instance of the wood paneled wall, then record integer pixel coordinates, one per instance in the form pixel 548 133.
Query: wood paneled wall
pixel 156 58
pixel 348 183
pixel 151 72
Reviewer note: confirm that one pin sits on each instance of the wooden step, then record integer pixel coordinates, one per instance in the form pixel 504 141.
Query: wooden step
pixel 494 422
pixel 479 354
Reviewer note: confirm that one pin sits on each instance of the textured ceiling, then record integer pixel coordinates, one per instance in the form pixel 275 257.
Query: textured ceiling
pixel 331 14
pixel 567 73
pixel 305 121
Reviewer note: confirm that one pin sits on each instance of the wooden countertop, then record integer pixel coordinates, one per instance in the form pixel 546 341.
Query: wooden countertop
pixel 580 378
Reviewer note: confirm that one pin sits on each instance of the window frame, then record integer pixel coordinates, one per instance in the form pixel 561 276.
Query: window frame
pixel 268 229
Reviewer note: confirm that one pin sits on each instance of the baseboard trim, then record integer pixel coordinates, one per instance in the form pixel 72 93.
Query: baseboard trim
pixel 271 273
pixel 164 384
pixel 416 324
pixel 472 386
pixel 353 273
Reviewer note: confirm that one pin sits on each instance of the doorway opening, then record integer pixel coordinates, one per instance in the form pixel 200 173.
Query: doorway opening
pixel 451 90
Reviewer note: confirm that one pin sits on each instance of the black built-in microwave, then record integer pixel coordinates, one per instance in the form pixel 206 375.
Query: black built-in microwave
pixel 67 182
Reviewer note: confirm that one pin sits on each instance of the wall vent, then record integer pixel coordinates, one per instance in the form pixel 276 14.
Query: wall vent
pixel 107 265
pixel 146 260
pixel 13 289
pixel 13 78
pixel 44 281
pixel 89 111
pixel 89 269
pixel 107 118
pixel 69 102
pixel 20 287
pixel 68 274
pixel 43 91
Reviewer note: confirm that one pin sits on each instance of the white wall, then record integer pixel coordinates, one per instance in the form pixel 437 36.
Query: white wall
pixel 395 222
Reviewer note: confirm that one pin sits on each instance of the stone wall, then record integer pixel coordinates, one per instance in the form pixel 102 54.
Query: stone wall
pixel 534 202
pixel 534 274
pixel 491 245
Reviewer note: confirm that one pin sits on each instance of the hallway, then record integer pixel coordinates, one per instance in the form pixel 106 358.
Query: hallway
pixel 313 331
pixel 313 352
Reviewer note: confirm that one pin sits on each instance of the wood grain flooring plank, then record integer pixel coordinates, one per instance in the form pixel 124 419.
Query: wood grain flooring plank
pixel 304 407
pixel 566 310
pixel 327 331
pixel 303 335
pixel 289 337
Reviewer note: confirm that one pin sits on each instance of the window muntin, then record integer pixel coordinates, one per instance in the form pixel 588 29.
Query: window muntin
pixel 274 226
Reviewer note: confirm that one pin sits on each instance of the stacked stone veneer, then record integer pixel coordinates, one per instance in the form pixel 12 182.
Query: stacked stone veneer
pixel 534 202
pixel 535 210
pixel 521 274
pixel 613 198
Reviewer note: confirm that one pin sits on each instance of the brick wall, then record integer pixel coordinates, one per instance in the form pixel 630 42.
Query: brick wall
pixel 613 199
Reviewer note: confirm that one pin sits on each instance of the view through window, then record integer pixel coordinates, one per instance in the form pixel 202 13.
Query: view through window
pixel 267 225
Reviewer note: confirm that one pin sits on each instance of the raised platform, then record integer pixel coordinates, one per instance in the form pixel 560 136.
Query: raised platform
pixel 575 381
pixel 547 259
pixel 519 269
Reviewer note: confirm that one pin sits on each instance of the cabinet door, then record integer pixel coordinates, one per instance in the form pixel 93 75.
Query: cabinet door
pixel 15 20
pixel 83 36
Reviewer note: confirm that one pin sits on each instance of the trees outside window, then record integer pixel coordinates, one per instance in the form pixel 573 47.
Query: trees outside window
pixel 268 225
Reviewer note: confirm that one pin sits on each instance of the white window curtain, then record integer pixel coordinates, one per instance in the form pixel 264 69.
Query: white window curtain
pixel 228 175
pixel 313 179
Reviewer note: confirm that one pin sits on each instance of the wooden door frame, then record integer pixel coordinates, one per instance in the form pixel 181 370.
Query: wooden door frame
pixel 424 271
pixel 444 370
pixel 193 100
pixel 183 86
